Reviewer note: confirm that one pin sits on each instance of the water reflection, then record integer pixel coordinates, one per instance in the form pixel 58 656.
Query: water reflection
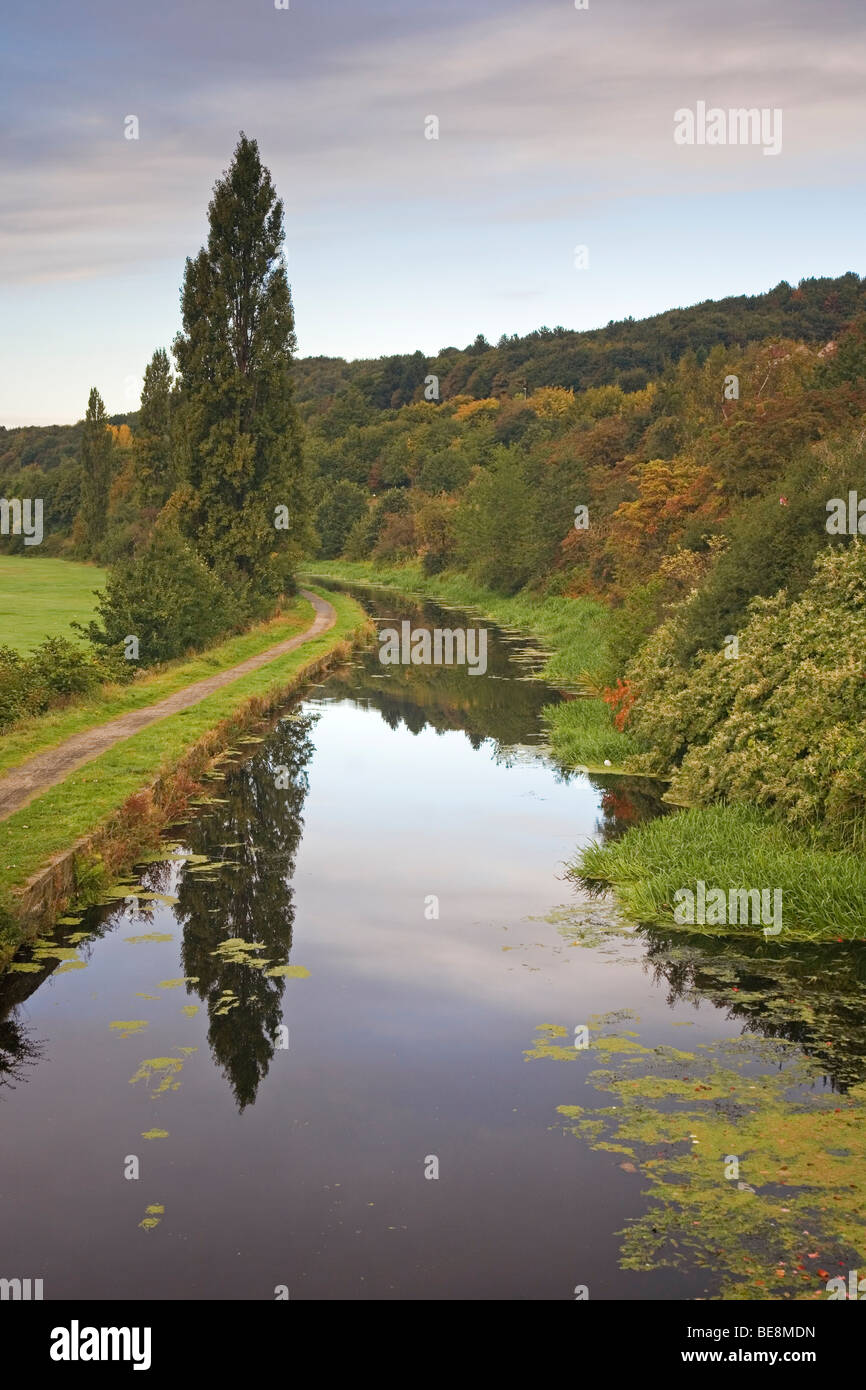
pixel 813 995
pixel 503 706
pixel 242 892
pixel 408 1037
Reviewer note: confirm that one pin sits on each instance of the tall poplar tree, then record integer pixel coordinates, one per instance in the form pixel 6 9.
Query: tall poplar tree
pixel 248 509
pixel 97 457
pixel 153 462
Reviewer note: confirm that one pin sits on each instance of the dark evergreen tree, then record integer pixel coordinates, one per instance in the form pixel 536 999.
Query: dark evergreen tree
pixel 153 458
pixel 248 508
pixel 97 456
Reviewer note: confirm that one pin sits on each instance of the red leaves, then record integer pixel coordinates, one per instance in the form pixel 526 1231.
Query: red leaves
pixel 620 698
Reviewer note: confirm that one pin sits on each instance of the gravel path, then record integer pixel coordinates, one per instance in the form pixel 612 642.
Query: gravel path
pixel 22 784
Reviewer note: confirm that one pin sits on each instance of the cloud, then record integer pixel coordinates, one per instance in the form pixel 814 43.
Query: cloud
pixel 544 111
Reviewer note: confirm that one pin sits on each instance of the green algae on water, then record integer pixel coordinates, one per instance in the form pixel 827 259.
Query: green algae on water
pixel 126 1027
pixel 154 1214
pixel 164 1068
pixel 756 1171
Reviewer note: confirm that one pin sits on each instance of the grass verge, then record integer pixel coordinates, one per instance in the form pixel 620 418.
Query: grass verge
pixel 31 736
pixel 570 630
pixel 113 808
pixel 731 846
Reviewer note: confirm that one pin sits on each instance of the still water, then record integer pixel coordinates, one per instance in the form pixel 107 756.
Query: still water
pixel 324 993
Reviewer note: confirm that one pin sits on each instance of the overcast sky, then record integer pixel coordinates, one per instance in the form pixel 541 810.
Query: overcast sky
pixel 555 130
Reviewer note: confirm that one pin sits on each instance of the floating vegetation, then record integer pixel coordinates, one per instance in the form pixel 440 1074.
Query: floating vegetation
pixel 590 925
pixel 151 936
pixel 147 895
pixel 162 1068
pixel 190 1010
pixel 120 890
pixel 25 967
pixel 67 965
pixel 236 951
pixel 140 994
pixel 295 972
pixel 126 1027
pixel 181 980
pixel 755 1166
pixel 227 1001
pixel 545 1046
pixel 154 1134
pixel 153 1216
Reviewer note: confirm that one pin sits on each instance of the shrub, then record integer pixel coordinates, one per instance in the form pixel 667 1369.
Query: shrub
pixel 166 597
pixel 55 670
pixel 782 725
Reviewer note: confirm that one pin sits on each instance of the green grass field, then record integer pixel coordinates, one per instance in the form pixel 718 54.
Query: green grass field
pixel 40 598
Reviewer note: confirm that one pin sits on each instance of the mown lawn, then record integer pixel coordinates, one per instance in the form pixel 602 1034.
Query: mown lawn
pixel 40 598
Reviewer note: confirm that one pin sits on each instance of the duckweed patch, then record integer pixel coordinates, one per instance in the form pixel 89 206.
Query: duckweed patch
pixel 153 1215
pixel 755 1167
pixel 161 1069
pixel 126 1027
